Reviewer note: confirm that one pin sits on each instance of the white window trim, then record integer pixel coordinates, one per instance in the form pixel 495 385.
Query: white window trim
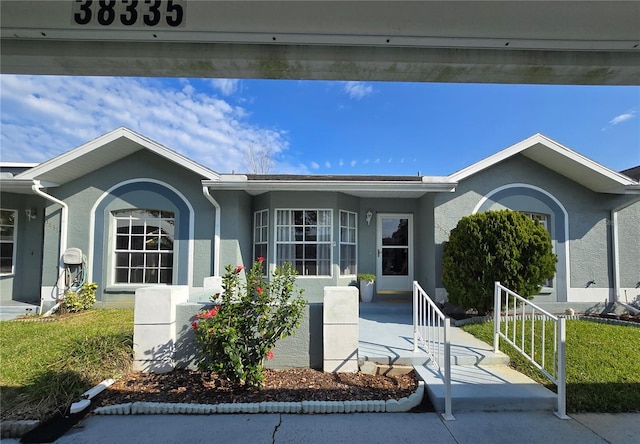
pixel 262 242
pixel 545 221
pixel 190 242
pixel 330 242
pixel 355 243
pixel 13 241
pixel 113 260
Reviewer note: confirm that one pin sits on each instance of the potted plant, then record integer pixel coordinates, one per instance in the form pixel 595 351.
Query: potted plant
pixel 366 286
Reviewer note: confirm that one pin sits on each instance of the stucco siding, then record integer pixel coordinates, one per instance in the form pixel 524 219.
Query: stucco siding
pixel 589 248
pixel 24 283
pixel 629 252
pixel 141 180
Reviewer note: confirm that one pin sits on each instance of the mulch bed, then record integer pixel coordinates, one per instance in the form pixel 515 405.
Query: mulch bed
pixel 295 385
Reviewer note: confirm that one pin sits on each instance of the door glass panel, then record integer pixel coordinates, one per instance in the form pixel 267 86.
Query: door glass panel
pixel 395 261
pixel 395 231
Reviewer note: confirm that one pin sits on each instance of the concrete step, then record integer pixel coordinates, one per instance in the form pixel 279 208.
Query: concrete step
pixel 12 309
pixel 486 388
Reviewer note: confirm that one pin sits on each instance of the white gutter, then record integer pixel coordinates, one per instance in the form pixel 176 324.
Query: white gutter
pixel 216 241
pixel 615 248
pixel 64 218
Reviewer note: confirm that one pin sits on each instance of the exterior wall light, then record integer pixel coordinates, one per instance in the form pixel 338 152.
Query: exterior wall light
pixel 31 214
pixel 368 217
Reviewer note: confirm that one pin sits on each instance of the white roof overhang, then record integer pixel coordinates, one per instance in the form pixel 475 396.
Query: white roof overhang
pixel 103 151
pixel 17 186
pixel 401 189
pixel 562 160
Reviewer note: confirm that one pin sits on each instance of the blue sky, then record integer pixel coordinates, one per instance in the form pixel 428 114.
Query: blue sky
pixel 318 127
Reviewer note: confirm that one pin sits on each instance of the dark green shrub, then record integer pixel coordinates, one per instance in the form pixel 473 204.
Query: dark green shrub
pixel 505 246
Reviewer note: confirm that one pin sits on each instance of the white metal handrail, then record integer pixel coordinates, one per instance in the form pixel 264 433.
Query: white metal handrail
pixel 515 308
pixel 431 330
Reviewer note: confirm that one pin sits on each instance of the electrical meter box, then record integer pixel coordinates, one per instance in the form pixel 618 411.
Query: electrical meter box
pixel 72 256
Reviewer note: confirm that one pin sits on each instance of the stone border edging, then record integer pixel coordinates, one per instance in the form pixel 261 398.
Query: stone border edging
pixel 166 408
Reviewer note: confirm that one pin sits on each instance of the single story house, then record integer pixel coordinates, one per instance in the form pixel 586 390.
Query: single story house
pixel 142 214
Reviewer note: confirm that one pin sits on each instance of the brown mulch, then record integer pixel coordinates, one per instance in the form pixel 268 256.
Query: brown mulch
pixel 295 385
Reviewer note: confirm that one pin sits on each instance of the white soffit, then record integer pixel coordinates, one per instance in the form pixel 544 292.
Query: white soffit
pixel 103 151
pixel 366 189
pixel 560 159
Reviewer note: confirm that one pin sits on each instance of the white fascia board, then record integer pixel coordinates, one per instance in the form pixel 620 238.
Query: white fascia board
pixel 520 147
pixel 328 185
pixel 18 164
pixel 100 141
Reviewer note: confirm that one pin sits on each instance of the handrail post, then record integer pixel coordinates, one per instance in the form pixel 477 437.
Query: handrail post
pixel 496 316
pixel 415 317
pixel 448 415
pixel 562 377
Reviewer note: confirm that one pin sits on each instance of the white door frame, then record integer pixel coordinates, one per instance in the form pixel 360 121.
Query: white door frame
pixel 394 284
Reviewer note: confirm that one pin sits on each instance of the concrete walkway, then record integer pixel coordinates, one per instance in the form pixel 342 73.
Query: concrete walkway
pixel 480 378
pixel 476 427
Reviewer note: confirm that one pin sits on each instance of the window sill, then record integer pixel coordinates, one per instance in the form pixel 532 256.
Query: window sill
pixel 128 288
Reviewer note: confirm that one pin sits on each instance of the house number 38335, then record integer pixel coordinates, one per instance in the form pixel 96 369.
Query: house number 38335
pixel 129 13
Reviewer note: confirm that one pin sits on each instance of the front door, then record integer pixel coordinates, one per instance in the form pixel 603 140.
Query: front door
pixel 395 253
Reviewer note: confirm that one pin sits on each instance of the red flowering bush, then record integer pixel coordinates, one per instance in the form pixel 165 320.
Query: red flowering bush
pixel 235 337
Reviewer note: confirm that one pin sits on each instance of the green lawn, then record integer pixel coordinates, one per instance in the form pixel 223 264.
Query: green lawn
pixel 603 364
pixel 45 366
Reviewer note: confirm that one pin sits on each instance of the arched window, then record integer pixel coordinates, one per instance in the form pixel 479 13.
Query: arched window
pixel 143 246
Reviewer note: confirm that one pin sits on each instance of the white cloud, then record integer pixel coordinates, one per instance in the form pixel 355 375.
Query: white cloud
pixel 353 163
pixel 341 163
pixel 327 164
pixel 620 118
pixel 357 90
pixel 43 116
pixel 315 166
pixel 225 86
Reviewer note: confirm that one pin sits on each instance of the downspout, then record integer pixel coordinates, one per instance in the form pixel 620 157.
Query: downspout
pixel 615 256
pixel 64 217
pixel 216 229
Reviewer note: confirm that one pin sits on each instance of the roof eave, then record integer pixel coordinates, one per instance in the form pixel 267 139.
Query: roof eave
pixel 263 186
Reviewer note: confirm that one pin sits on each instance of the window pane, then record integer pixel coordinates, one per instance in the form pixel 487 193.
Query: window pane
pixel 122 259
pixel 298 217
pixel 122 275
pixel 324 268
pixel 324 217
pixel 298 234
pixel 136 228
pixel 166 243
pixel 122 242
pixel 6 233
pixel 6 250
pixel 151 276
pixel 137 259
pixel 324 234
pixel 395 231
pixel 166 260
pixel 136 276
pixel 137 242
pixel 166 276
pixel 311 234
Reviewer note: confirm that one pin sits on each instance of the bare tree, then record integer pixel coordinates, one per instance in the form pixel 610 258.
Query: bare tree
pixel 259 159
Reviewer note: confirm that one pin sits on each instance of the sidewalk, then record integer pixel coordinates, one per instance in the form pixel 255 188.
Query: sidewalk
pixel 476 427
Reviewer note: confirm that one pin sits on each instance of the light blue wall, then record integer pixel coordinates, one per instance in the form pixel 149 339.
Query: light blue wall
pixel 629 251
pixel 24 284
pixel 83 193
pixel 588 214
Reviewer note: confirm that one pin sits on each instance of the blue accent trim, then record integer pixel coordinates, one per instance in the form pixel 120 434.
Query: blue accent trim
pixel 181 235
pixel 559 230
